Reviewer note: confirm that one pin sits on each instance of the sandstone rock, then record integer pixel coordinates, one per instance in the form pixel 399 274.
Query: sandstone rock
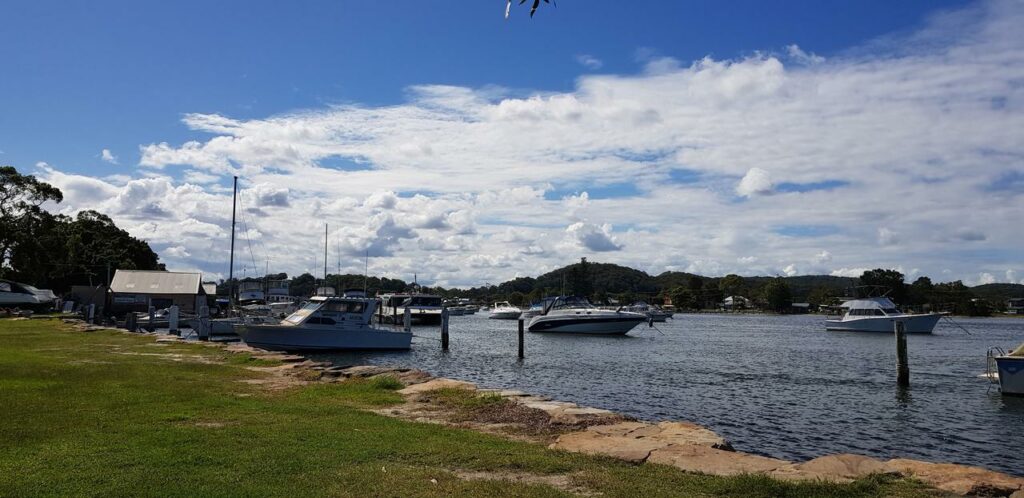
pixel 836 468
pixel 690 433
pixel 624 448
pixel 433 385
pixel 696 458
pixel 960 479
pixel 413 377
pixel 1017 494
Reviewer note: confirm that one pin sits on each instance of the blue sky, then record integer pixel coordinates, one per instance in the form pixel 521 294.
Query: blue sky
pixel 711 137
pixel 118 74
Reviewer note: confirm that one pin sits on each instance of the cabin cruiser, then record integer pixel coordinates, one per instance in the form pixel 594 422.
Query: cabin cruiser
pixel 326 323
pixel 425 309
pixel 535 309
pixel 504 311
pixel 653 311
pixel 15 295
pixel 1010 370
pixel 877 314
pixel 575 315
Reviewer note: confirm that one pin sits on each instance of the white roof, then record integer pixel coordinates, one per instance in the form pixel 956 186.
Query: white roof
pixel 211 289
pixel 156 282
pixel 870 303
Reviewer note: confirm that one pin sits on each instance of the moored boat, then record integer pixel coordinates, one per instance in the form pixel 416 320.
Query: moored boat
pixel 1009 368
pixel 326 323
pixel 575 315
pixel 877 314
pixel 504 311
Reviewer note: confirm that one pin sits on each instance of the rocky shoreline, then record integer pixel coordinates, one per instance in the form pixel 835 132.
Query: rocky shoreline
pixel 569 427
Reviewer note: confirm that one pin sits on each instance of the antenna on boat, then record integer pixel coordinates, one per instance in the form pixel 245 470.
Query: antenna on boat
pixel 231 265
pixel 366 269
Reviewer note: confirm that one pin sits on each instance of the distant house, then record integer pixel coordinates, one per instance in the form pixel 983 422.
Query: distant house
pixel 277 291
pixel 1015 306
pixel 137 290
pixel 800 308
pixel 735 303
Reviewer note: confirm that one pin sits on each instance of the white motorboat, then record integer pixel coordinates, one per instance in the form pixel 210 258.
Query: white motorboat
pixel 1009 369
pixel 575 315
pixel 535 309
pixel 425 309
pixel 504 311
pixel 877 314
pixel 326 323
pixel 654 312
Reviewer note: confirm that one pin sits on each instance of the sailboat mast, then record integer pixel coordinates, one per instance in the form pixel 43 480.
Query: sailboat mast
pixel 231 265
pixel 325 257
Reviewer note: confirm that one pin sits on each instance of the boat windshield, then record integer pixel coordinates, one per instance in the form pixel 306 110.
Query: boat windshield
pixel 303 312
pixel 892 311
pixel 571 302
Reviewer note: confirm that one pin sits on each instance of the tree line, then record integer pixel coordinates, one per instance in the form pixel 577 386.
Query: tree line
pixel 56 251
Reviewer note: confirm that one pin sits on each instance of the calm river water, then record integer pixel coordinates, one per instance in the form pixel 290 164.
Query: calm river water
pixel 776 385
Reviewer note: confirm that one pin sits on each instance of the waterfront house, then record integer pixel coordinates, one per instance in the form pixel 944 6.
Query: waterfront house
pixel 735 303
pixel 1015 306
pixel 137 290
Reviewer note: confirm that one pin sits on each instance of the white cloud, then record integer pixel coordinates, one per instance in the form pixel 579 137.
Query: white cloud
pixel 756 181
pixel 848 272
pixel 986 278
pixel 800 56
pixel 597 238
pixel 459 184
pixel 589 61
pixel 108 156
pixel 790 270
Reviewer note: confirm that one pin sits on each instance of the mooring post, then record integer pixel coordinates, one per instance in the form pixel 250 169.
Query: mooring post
pixel 902 368
pixel 172 320
pixel 394 314
pixel 204 323
pixel 407 320
pixel 92 313
pixel 131 322
pixel 444 328
pixel 152 319
pixel 521 355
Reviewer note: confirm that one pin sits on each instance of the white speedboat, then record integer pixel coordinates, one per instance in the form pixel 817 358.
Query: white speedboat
pixel 14 295
pixel 575 315
pixel 505 311
pixel 877 314
pixel 326 323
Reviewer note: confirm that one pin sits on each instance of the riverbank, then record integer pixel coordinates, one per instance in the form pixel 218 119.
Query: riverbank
pixel 114 413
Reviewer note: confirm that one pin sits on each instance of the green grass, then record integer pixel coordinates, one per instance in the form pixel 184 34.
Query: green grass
pixel 106 413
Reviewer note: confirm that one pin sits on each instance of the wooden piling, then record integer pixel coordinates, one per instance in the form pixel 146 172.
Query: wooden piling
pixel 521 327
pixel 902 367
pixel 172 320
pixel 91 318
pixel 152 319
pixel 407 320
pixel 444 328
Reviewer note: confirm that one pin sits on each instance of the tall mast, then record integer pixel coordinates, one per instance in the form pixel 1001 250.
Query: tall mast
pixel 231 265
pixel 325 257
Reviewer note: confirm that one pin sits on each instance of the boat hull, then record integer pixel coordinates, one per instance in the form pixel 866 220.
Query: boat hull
pixel 1011 374
pixel 616 325
pixel 294 338
pixel 915 324
pixel 505 315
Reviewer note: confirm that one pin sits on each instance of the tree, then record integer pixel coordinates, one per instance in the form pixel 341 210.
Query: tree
pixel 920 292
pixel 683 298
pixel 303 285
pixel 695 283
pixel 777 295
pixel 889 281
pixel 731 285
pixel 822 296
pixel 21 198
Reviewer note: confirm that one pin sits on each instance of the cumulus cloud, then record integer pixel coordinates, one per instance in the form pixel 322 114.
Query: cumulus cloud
pixel 986 278
pixel 108 156
pixel 887 237
pixel 790 270
pixel 823 257
pixel 597 238
pixel 756 181
pixel 800 56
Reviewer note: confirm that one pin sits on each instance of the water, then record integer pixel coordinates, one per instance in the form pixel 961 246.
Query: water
pixel 779 386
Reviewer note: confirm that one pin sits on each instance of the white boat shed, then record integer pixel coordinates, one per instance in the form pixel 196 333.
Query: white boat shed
pixel 137 290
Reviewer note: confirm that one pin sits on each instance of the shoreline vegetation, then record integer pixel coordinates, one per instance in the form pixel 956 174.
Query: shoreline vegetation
pixel 89 411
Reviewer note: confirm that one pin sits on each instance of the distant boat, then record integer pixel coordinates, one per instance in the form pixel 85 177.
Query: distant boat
pixel 654 312
pixel 326 323
pixel 535 309
pixel 877 314
pixel 425 309
pixel 504 311
pixel 575 315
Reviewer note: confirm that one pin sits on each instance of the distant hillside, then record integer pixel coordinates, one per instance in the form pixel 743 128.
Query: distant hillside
pixel 998 292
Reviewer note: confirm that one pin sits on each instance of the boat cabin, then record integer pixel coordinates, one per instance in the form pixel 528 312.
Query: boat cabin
pixel 873 306
pixel 333 311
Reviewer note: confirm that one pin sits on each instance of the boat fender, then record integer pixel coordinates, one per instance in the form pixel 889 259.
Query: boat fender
pixel 650 322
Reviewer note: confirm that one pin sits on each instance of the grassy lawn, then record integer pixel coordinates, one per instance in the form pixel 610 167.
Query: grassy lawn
pixel 106 413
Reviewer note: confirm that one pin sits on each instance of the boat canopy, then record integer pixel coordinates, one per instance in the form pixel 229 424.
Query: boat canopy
pixel 870 303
